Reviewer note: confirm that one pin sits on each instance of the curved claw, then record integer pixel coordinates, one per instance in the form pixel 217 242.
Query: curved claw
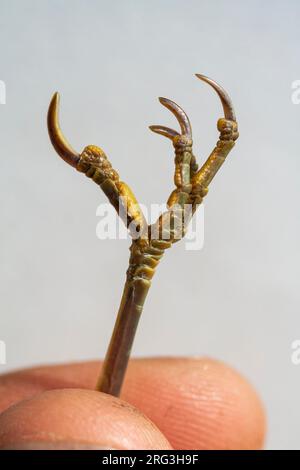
pixel 179 114
pixel 165 131
pixel 224 97
pixel 59 142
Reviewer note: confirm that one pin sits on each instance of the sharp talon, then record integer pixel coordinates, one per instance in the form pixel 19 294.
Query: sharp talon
pixel 179 114
pixel 165 131
pixel 224 97
pixel 57 138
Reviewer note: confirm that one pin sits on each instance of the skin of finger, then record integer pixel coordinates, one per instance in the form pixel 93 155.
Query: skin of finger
pixel 76 418
pixel 196 403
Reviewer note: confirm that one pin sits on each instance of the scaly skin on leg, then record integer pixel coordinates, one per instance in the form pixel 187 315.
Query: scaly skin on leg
pixel 148 242
pixel 142 265
pixel 202 179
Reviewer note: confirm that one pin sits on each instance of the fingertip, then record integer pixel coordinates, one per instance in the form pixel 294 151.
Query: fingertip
pixel 77 419
pixel 198 403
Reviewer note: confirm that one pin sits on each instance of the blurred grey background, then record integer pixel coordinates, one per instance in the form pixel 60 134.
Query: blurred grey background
pixel 238 298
